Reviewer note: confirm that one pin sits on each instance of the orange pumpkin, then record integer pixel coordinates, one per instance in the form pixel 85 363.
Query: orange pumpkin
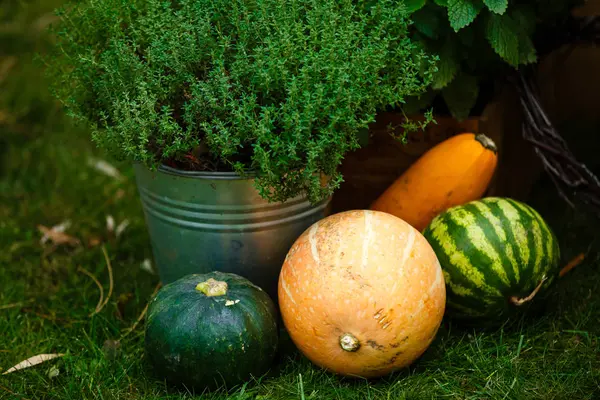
pixel 362 293
pixel 454 172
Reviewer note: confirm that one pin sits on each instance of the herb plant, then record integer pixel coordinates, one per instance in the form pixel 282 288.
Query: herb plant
pixel 478 41
pixel 280 87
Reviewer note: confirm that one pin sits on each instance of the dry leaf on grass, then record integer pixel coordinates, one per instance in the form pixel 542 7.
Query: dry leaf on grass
pixel 110 226
pixel 62 227
pixel 146 265
pixel 121 228
pixel 105 168
pixel 58 237
pixel 32 361
pixel 110 223
pixel 53 372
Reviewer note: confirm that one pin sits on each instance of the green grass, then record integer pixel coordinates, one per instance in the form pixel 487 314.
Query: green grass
pixel 46 179
pixel 46 300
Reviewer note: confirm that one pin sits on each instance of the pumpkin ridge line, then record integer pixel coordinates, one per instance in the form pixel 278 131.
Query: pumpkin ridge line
pixel 312 239
pixel 367 239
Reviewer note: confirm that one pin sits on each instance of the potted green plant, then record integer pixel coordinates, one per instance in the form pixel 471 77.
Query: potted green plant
pixel 235 113
pixel 480 45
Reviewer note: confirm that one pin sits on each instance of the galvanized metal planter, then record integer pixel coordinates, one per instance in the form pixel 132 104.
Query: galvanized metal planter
pixel 204 221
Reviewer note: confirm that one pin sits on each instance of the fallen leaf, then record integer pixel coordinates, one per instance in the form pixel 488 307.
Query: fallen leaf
pixel 58 237
pixel 121 228
pixel 110 223
pixel 147 266
pixel 105 168
pixel 63 226
pixel 32 361
pixel 53 372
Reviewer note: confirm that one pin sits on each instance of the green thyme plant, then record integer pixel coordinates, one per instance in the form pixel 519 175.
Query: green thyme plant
pixel 280 87
pixel 479 41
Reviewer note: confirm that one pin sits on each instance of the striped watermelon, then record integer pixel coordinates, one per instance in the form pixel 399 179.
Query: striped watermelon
pixel 497 254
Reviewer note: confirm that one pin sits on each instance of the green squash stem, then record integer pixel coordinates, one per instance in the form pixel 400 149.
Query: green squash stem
pixel 486 142
pixel 212 287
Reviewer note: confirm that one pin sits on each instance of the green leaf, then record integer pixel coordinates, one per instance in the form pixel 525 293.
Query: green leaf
pixel 413 5
pixel 447 67
pixel 503 35
pixel 496 6
pixel 461 95
pixel 441 3
pixel 462 12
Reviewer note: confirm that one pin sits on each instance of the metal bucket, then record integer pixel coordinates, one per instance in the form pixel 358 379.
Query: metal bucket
pixel 205 221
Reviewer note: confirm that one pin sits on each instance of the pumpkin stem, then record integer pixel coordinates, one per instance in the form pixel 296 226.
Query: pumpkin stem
pixel 486 142
pixel 520 301
pixel 349 342
pixel 212 287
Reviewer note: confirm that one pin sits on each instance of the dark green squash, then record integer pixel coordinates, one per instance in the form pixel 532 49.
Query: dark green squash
pixel 210 330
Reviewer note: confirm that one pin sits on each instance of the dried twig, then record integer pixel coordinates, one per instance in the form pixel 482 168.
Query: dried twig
pixel 12 305
pixel 101 299
pixel 570 177
pixel 110 279
pixel 142 314
pixel 572 264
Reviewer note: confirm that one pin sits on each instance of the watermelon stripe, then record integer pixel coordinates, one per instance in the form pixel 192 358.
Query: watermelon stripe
pixel 454 260
pixel 498 226
pixel 459 283
pixel 482 254
pixel 510 235
pixel 460 291
pixel 546 239
pixel 534 242
pixel 545 236
pixel 518 230
pixel 495 238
